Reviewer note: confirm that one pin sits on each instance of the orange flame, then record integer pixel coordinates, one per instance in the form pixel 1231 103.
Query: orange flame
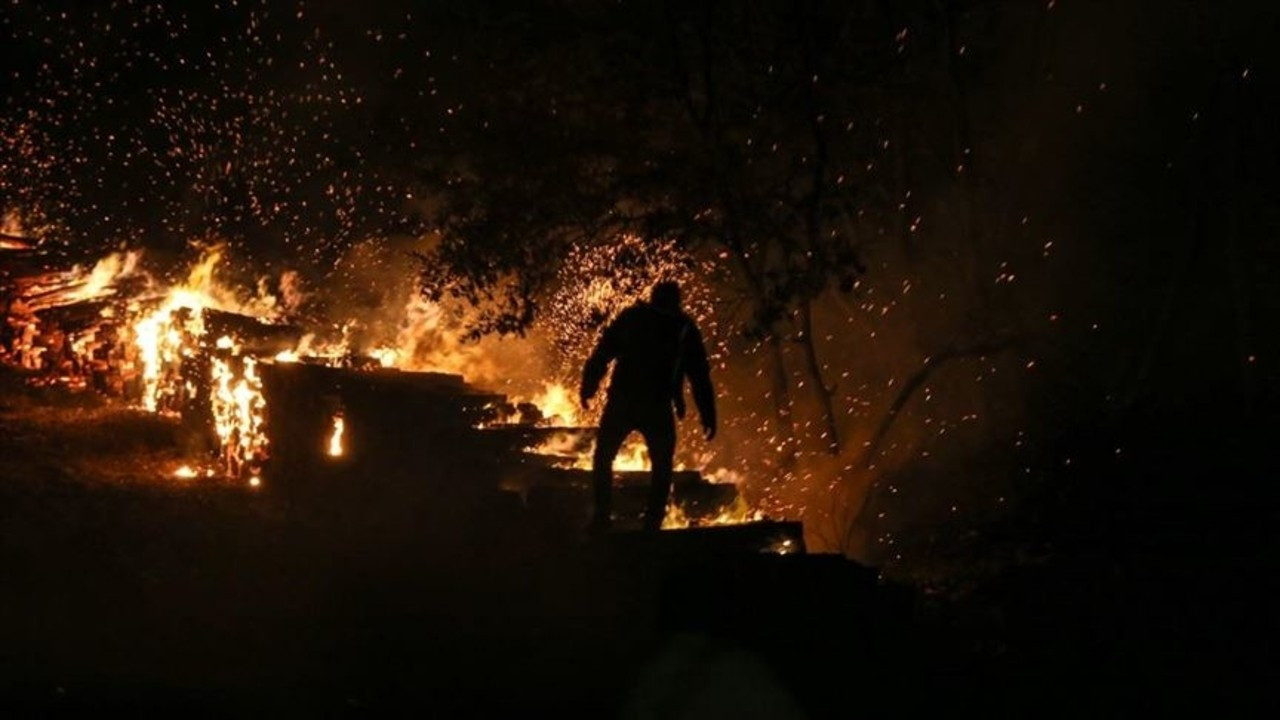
pixel 239 411
pixel 736 514
pixel 105 273
pixel 558 405
pixel 335 438
pixel 171 334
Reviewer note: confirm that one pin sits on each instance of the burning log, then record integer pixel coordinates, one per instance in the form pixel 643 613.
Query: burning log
pixel 544 476
pixel 43 295
pixel 562 497
pixel 696 543
pixel 252 335
pixel 112 276
pixel 14 242
pixel 65 324
pixel 553 444
pixel 77 344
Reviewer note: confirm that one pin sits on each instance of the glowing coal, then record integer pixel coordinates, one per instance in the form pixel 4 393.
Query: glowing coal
pixel 335 437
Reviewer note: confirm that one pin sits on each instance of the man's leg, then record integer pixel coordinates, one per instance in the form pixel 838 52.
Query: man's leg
pixel 659 432
pixel 609 436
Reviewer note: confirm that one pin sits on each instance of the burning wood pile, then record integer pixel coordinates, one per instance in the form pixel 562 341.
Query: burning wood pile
pixel 65 326
pixel 190 352
pixel 260 401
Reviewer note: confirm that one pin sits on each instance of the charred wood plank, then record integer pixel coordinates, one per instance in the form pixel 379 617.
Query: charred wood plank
pixel 765 536
pixel 565 441
pixel 568 503
pixel 254 336
pixel 15 242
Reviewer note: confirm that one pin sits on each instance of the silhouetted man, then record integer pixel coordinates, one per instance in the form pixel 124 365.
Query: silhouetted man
pixel 655 346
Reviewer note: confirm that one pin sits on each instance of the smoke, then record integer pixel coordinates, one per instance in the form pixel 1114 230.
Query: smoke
pixel 371 303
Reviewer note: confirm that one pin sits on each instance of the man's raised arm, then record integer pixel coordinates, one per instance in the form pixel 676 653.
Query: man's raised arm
pixel 593 372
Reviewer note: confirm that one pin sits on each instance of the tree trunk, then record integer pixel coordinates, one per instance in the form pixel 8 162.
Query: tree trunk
pixel 813 221
pixel 905 393
pixel 782 404
pixel 822 393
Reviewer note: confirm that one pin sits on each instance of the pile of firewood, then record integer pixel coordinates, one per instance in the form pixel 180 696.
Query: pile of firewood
pixel 56 329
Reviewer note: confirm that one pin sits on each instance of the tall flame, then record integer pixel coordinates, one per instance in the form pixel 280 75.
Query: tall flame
pixel 239 411
pixel 172 335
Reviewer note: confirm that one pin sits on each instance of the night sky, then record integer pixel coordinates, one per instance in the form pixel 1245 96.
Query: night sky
pixel 265 123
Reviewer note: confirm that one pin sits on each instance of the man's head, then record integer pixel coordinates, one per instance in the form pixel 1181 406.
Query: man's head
pixel 665 296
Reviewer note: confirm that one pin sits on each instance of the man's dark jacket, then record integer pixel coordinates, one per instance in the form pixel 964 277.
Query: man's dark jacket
pixel 654 349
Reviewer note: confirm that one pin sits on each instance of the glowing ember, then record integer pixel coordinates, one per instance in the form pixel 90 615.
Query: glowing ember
pixel 185 472
pixel 335 439
pixel 785 546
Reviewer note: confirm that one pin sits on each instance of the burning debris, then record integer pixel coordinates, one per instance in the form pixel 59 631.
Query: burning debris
pixel 13 242
pixel 260 397
pixel 562 442
pixel 190 352
pixel 65 327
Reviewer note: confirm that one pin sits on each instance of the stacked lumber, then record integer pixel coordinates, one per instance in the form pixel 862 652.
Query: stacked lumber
pixel 402 429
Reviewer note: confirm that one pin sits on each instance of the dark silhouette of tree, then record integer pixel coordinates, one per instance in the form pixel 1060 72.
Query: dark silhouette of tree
pixel 741 131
